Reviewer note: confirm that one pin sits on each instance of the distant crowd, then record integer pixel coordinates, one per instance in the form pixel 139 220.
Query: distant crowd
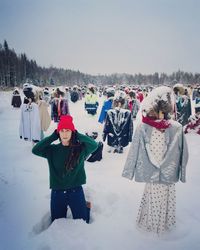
pixel 117 113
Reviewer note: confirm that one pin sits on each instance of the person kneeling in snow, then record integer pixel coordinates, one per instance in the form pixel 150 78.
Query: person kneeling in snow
pixel 66 168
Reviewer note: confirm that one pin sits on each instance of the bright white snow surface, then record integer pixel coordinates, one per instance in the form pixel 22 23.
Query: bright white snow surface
pixel 25 196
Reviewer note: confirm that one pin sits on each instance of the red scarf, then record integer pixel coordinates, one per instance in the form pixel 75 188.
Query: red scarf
pixel 159 124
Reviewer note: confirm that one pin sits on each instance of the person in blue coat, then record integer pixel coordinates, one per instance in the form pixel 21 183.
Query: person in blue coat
pixel 110 92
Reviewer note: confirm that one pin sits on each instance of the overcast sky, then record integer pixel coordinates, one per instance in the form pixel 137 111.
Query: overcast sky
pixel 105 36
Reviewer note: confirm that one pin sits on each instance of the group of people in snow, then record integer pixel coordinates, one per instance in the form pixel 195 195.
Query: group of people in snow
pixel 157 156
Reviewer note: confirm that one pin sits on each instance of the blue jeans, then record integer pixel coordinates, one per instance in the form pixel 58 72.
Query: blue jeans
pixel 72 197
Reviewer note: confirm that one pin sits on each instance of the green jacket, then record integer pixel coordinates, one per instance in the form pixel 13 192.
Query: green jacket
pixel 56 154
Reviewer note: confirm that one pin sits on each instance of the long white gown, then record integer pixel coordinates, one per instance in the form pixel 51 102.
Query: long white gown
pixel 157 211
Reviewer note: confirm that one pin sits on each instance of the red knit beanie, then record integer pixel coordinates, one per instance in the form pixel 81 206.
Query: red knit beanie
pixel 66 123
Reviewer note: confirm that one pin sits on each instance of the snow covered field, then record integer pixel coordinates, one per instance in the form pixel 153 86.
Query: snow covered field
pixel 25 194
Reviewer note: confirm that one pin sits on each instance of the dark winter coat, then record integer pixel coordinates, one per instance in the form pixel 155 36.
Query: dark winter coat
pixel 97 154
pixel 16 99
pixel 74 96
pixel 183 110
pixel 118 127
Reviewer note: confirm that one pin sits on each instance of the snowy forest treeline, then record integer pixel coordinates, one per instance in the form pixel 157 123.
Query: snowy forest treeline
pixel 17 69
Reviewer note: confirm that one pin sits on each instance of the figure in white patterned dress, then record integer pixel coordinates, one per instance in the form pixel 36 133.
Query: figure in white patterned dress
pixel 158 156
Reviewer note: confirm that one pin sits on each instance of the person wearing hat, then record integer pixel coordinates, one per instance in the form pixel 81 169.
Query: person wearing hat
pixel 66 168
pixel 158 157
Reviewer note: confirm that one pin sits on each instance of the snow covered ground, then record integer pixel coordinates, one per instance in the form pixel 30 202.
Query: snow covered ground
pixel 25 194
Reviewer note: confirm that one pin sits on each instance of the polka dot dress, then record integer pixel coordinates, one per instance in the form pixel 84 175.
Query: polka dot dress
pixel 158 205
